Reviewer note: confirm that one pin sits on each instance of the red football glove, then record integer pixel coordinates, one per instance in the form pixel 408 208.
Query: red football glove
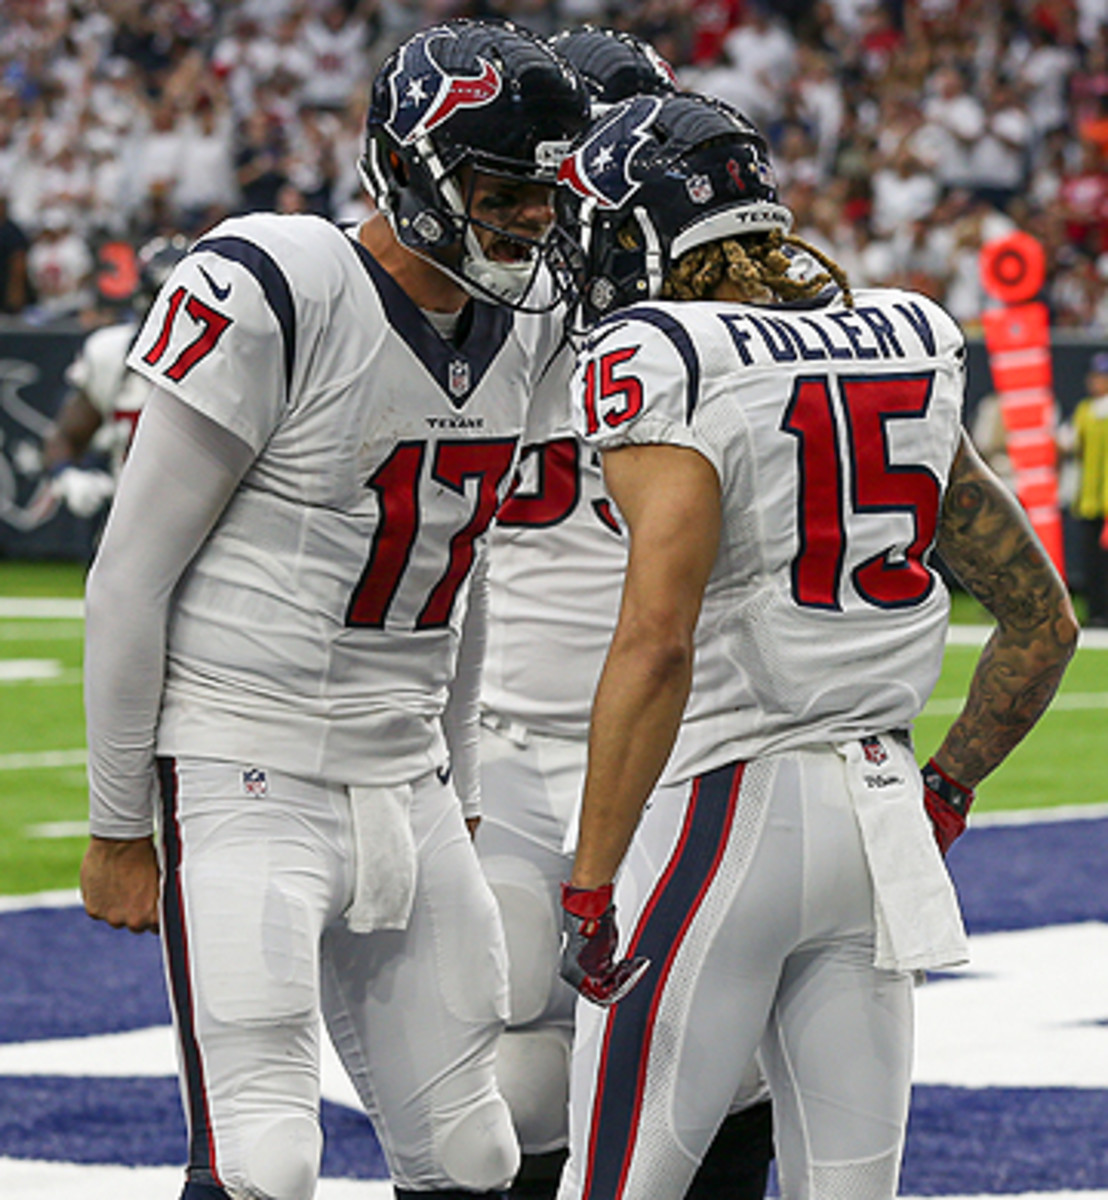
pixel 947 803
pixel 589 939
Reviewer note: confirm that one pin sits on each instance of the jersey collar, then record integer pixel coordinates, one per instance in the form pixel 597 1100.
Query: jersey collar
pixel 457 369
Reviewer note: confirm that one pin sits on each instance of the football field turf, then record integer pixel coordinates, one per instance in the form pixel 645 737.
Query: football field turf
pixel 42 779
pixel 1011 1072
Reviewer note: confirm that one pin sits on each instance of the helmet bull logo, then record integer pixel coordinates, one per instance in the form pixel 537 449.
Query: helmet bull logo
pixel 600 169
pixel 424 95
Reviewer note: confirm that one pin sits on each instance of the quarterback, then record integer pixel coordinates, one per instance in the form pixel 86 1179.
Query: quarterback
pixel 285 626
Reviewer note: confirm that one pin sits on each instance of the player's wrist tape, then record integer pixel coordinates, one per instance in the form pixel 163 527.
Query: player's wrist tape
pixel 950 791
pixel 590 904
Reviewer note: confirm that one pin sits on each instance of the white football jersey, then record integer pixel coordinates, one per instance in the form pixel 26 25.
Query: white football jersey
pixel 557 555
pixel 832 431
pixel 100 371
pixel 318 626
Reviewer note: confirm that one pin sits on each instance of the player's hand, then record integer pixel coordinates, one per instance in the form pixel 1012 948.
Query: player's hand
pixel 589 939
pixel 83 492
pixel 119 883
pixel 947 803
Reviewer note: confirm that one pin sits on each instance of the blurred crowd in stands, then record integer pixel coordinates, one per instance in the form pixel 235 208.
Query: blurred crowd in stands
pixel 907 132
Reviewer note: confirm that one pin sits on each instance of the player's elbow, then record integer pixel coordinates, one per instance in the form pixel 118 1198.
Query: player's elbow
pixel 1057 627
pixel 1067 629
pixel 661 645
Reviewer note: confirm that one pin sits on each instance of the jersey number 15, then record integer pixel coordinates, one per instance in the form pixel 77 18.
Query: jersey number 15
pixel 897 576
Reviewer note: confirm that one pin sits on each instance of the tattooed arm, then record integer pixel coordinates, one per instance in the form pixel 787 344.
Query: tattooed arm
pixel 987 541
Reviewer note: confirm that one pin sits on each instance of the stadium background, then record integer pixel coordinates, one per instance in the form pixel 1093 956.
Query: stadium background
pixel 1012 1067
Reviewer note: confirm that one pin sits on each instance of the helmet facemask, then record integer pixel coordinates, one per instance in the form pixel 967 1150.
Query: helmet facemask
pixel 509 273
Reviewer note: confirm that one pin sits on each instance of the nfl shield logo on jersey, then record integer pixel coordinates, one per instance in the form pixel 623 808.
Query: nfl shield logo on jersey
pixel 459 377
pixel 254 782
pixel 875 753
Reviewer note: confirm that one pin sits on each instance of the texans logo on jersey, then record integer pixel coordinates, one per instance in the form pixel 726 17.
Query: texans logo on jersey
pixel 600 168
pixel 424 94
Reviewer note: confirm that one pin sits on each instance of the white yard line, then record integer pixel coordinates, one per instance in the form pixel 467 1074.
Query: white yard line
pixel 41 608
pixel 24 1179
pixel 42 758
pixel 30 1180
pixel 67 898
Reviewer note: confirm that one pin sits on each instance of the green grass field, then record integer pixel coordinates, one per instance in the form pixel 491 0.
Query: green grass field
pixel 42 779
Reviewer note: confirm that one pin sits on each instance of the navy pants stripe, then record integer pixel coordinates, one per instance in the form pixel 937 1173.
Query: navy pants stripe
pixel 201 1158
pixel 666 917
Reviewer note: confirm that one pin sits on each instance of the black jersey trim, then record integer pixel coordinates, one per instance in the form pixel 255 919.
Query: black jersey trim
pixel 677 334
pixel 273 283
pixel 483 330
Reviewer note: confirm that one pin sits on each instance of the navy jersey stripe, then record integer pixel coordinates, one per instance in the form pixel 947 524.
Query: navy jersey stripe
pixel 677 334
pixel 273 283
pixel 484 327
pixel 658 935
pixel 201 1157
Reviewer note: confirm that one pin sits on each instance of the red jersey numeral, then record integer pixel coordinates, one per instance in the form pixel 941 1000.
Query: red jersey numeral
pixel 897 577
pixel 212 324
pixel 556 491
pixel 455 463
pixel 818 564
pixel 601 383
pixel 397 482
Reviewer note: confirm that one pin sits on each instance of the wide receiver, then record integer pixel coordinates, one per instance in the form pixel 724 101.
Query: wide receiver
pixel 557 556
pixel 786 454
pixel 284 638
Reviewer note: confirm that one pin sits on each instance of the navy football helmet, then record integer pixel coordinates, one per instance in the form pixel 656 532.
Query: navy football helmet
pixel 491 97
pixel 654 177
pixel 614 65
pixel 155 260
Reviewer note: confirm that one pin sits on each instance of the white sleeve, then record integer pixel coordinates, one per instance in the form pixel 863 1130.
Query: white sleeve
pixel 461 717
pixel 638 382
pixel 178 477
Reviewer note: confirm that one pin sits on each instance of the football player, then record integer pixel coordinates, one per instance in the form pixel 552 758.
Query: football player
pixel 102 405
pixel 557 555
pixel 284 630
pixel 786 454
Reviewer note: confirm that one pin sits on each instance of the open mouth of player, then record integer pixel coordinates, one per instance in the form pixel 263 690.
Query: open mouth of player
pixel 509 250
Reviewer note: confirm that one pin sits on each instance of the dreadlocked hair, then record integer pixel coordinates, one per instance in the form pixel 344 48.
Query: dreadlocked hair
pixel 757 265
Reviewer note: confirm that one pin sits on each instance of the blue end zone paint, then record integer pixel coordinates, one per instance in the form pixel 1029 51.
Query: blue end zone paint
pixel 65 975
pixel 62 975
pixel 1024 876
pixel 968 1141
pixel 960 1141
pixel 138 1122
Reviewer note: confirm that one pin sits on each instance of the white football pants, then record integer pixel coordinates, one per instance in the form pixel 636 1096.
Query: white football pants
pixel 531 786
pixel 749 892
pixel 259 869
